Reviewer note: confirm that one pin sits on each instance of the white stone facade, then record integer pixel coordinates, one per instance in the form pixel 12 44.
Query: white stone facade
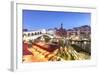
pixel 31 35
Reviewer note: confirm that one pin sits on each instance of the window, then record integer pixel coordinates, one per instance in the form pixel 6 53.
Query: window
pixel 32 34
pixel 28 34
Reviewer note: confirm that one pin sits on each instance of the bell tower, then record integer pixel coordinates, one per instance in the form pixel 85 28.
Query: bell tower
pixel 61 25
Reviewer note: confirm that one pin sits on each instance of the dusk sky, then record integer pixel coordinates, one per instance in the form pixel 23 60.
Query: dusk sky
pixel 34 20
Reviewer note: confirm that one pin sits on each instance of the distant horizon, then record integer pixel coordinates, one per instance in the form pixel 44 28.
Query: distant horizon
pixel 57 28
pixel 36 19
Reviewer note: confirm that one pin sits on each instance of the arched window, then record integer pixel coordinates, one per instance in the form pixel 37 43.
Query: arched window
pixel 24 35
pixel 32 34
pixel 28 34
pixel 40 32
pixel 35 33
